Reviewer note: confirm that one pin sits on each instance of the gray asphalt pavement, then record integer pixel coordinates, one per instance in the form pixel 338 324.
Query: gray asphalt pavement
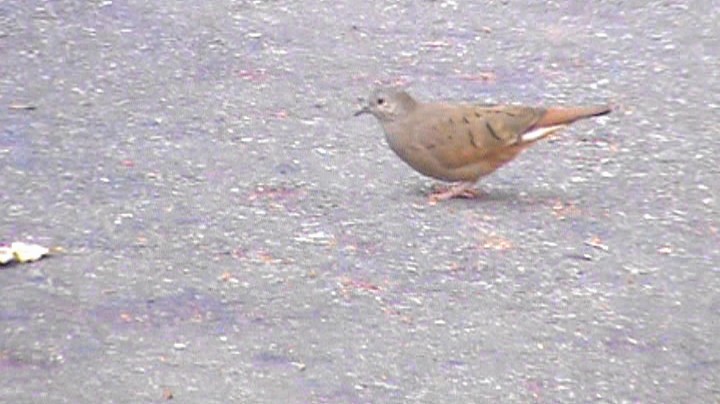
pixel 232 234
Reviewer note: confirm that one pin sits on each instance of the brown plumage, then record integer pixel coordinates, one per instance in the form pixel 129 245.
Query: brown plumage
pixel 565 116
pixel 464 142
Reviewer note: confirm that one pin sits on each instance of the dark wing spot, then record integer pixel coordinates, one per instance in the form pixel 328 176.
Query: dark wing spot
pixel 492 131
pixel 472 138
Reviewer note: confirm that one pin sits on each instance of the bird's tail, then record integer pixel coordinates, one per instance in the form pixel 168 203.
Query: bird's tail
pixel 564 116
pixel 555 119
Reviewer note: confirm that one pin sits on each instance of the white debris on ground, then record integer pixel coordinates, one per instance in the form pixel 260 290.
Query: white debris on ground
pixel 21 252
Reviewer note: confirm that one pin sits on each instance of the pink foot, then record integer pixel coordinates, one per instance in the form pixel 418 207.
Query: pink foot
pixel 458 191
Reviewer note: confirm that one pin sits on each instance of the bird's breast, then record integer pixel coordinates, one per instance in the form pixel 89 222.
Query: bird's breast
pixel 415 155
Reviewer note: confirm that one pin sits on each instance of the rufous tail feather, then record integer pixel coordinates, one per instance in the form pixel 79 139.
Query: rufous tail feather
pixel 564 116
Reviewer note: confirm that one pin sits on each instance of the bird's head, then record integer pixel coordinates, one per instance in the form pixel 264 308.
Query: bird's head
pixel 388 104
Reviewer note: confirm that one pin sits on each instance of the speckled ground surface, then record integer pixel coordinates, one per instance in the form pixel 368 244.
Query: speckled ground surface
pixel 232 234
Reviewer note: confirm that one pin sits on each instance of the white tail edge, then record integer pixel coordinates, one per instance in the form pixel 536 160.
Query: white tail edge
pixel 539 133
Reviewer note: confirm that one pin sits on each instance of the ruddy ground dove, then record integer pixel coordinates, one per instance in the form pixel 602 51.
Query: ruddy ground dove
pixel 461 143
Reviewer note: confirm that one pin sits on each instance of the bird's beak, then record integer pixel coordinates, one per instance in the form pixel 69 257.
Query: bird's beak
pixel 364 110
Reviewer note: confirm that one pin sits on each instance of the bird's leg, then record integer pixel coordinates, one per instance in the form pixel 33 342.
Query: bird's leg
pixel 461 190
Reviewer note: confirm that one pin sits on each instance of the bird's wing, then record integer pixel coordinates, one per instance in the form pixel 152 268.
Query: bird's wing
pixel 457 136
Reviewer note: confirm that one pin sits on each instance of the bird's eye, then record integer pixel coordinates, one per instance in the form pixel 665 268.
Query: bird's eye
pixel 381 101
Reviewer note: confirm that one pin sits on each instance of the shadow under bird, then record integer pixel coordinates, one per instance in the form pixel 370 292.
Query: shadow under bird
pixel 461 143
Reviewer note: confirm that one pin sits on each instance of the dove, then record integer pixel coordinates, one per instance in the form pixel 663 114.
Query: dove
pixel 461 143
